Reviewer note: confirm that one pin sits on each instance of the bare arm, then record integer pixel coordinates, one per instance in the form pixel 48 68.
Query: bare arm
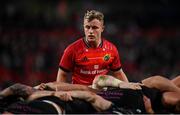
pixel 147 104
pixel 176 81
pixel 99 103
pixel 161 83
pixel 62 95
pixel 170 98
pixel 121 75
pixel 39 94
pixel 61 76
pixel 107 80
pixel 61 86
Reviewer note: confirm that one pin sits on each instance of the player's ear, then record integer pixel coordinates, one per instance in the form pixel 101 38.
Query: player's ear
pixel 103 28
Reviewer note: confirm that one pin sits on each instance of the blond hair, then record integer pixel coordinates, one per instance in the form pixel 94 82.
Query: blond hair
pixel 93 14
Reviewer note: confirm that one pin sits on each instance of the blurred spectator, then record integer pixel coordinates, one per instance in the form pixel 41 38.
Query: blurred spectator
pixel 34 33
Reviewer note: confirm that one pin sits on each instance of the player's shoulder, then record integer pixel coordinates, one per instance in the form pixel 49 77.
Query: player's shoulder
pixel 76 44
pixel 108 43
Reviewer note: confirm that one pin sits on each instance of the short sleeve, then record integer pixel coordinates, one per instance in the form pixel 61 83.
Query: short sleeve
pixel 66 63
pixel 116 63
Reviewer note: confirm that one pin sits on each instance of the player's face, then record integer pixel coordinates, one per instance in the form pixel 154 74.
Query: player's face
pixel 93 30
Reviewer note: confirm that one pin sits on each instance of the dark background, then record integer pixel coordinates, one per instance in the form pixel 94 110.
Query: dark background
pixel 34 34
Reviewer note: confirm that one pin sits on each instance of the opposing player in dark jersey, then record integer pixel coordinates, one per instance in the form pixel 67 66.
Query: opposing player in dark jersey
pixel 74 98
pixel 91 55
pixel 114 100
pixel 160 94
pixel 154 89
pixel 22 99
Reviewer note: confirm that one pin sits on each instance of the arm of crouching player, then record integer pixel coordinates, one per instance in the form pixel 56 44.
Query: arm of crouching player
pixel 99 103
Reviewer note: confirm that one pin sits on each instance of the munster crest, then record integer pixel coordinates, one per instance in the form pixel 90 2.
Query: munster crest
pixel 106 57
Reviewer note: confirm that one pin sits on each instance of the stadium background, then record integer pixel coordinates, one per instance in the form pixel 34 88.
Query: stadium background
pixel 34 34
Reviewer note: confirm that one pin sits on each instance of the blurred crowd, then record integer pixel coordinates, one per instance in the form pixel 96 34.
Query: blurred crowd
pixel 34 34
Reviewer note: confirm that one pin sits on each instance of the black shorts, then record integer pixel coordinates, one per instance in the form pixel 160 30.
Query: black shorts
pixel 155 96
pixel 50 105
pixel 125 98
pixel 33 107
pixel 114 109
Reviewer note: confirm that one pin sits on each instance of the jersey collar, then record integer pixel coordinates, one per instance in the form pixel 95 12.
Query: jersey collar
pixel 88 46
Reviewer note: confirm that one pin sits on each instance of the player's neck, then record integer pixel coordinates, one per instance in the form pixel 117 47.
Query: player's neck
pixel 94 44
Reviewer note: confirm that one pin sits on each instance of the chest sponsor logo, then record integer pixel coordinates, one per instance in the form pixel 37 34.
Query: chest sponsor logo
pixel 96 66
pixel 92 72
pixel 106 57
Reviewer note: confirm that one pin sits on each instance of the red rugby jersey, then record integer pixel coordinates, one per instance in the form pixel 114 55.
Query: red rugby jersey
pixel 86 62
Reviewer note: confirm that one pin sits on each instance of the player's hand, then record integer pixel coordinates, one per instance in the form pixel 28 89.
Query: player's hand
pixel 65 96
pixel 42 86
pixel 99 82
pixel 147 104
pixel 95 83
pixel 134 86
